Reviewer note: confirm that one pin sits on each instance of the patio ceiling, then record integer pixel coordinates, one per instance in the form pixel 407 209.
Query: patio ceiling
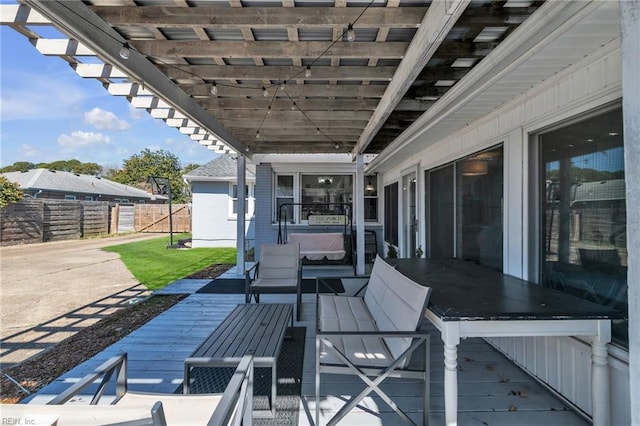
pixel 278 77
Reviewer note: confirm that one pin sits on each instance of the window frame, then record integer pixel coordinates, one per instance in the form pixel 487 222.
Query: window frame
pixel 249 200
pixel 297 191
pixel 537 176
pixel 456 168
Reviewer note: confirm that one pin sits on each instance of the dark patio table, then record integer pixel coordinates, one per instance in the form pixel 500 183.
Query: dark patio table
pixel 469 300
pixel 257 329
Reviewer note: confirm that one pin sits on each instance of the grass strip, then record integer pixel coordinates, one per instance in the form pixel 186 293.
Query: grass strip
pixel 155 265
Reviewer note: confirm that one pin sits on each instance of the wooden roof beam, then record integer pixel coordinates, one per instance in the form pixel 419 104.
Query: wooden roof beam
pixel 268 49
pixel 292 90
pixel 260 17
pixel 246 72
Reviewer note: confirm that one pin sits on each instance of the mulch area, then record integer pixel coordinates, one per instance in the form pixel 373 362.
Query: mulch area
pixel 36 372
pixel 211 271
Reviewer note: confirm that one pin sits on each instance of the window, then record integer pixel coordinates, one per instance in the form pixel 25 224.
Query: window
pixel 329 192
pixel 247 201
pixel 284 195
pixel 319 194
pixel 391 214
pixel 440 213
pixel 70 197
pixel 88 198
pixel 464 209
pixel 582 225
pixel 371 198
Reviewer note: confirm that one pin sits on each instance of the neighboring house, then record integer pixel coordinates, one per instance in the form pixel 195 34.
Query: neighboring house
pixel 214 212
pixel 59 185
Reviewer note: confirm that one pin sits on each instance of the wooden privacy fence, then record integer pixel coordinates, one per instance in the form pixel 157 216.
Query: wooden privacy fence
pixel 155 217
pixel 41 220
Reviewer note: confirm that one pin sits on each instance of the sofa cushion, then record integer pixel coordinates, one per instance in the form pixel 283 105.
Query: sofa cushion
pixel 317 246
pixel 396 303
pixel 344 313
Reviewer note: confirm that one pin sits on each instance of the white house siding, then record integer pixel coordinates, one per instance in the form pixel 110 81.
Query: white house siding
pixel 211 222
pixel 562 363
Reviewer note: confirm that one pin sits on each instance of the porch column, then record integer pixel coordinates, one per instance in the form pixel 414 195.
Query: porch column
pixel 240 228
pixel 630 34
pixel 359 214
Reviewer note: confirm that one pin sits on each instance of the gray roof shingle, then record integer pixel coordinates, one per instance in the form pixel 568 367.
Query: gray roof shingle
pixel 55 180
pixel 223 167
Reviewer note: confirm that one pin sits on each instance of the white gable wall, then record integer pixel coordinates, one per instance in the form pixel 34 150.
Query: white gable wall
pixel 212 224
pixel 563 363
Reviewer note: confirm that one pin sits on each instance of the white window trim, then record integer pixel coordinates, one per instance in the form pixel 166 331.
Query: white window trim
pixel 250 201
pixel 297 192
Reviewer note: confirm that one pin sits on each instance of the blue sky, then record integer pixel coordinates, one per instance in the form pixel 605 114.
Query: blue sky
pixel 50 113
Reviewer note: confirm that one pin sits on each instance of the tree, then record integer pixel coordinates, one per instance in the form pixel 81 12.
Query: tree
pixel 18 166
pixel 72 166
pixel 10 192
pixel 139 167
pixel 189 168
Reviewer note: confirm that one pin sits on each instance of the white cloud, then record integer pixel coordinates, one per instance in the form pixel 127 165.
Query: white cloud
pixel 136 113
pixel 29 151
pixel 80 139
pixel 104 120
pixel 28 95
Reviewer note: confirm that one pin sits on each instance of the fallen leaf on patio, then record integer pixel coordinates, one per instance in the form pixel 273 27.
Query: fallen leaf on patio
pixel 513 408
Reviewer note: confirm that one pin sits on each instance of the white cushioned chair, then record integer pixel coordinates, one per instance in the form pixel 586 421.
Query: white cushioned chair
pixel 374 336
pixel 279 270
pixel 233 407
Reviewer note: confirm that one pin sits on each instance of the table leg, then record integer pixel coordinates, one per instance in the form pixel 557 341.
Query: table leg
pixel 451 384
pixel 274 382
pixel 600 385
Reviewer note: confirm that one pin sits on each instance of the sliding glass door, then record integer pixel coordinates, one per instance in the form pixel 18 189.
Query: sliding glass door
pixel 409 215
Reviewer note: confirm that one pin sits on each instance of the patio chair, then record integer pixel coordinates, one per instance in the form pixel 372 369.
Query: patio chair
pixel 374 337
pixel 233 407
pixel 279 270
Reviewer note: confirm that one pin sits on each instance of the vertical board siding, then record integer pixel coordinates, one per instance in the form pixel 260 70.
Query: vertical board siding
pixel 126 218
pixel 562 363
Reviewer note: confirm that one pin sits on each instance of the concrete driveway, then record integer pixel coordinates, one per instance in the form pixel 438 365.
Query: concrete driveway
pixel 49 291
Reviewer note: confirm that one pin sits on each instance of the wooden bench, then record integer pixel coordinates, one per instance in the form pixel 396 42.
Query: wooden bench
pixel 373 336
pixel 255 329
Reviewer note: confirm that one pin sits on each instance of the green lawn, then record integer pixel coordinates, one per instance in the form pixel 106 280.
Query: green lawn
pixel 155 266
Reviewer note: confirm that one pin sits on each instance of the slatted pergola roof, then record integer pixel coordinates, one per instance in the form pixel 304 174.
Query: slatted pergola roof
pixel 276 76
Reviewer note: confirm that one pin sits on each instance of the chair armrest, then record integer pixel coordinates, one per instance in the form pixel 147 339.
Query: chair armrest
pixel 237 399
pixel 116 364
pixel 253 269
